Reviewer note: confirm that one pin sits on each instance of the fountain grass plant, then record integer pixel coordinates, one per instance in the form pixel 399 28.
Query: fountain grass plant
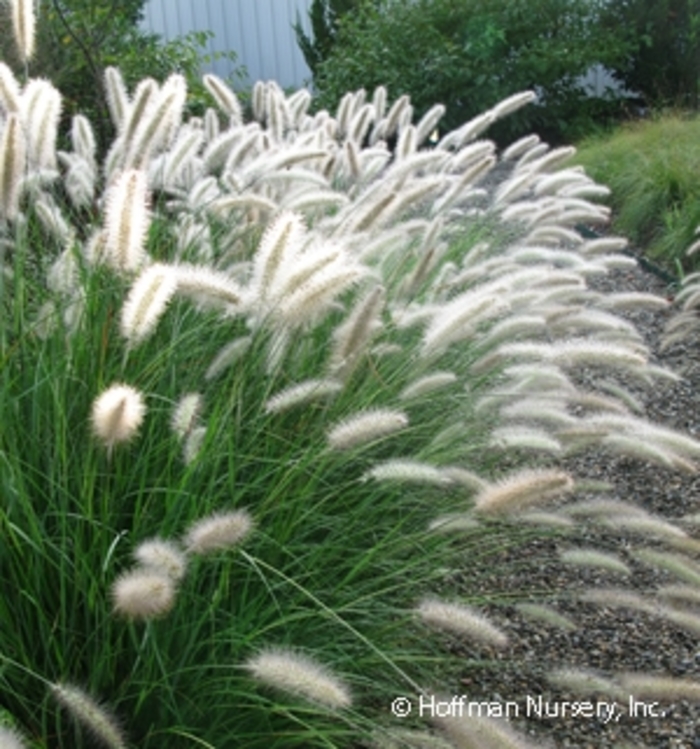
pixel 250 373
pixel 651 168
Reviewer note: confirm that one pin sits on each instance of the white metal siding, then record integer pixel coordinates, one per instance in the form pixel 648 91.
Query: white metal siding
pixel 259 31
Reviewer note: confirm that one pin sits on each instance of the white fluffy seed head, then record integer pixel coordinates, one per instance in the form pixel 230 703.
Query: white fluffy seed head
pixel 41 112
pixel 515 436
pixel 350 339
pixel 164 557
pixel 427 384
pixel 301 676
pixel 226 100
pixel 193 444
pixel 208 287
pixel 583 682
pixel 280 244
pixel 147 302
pixel 460 620
pixel 143 594
pixel 117 97
pixel 9 90
pixel 117 414
pixel 23 26
pixel 366 427
pixel 86 711
pixel 156 127
pixel 523 489
pixel 218 532
pixel 126 221
pixel 408 471
pixel 541 613
pixel 663 688
pixel 11 739
pixel 13 155
pixel 185 414
pixel 301 394
pixel 594 558
pixel 228 355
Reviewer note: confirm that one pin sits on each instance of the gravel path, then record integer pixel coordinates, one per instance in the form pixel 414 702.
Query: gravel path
pixel 607 639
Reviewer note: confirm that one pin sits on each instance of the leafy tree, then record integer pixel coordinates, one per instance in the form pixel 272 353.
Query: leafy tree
pixel 469 54
pixel 664 64
pixel 325 16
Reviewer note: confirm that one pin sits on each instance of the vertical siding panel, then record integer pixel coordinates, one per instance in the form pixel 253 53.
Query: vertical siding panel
pixel 226 31
pixel 259 32
pixel 243 48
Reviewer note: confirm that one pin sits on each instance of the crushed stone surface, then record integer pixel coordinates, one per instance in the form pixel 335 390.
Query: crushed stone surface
pixel 607 639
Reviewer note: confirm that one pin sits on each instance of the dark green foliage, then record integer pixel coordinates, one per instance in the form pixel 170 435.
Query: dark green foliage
pixel 324 16
pixel 470 54
pixel 664 65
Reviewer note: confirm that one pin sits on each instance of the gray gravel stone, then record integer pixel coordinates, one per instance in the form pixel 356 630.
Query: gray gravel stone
pixel 607 639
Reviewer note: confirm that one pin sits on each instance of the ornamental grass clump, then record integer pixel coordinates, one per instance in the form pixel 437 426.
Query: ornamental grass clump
pixel 299 349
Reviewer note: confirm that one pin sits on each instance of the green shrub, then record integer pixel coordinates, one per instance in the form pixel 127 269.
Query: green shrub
pixel 324 16
pixel 663 64
pixel 470 55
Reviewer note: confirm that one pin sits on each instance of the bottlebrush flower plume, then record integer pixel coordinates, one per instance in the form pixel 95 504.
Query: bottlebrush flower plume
pixel 23 26
pixel 279 246
pixel 155 127
pixel 409 471
pixel 228 355
pixel 117 414
pixel 193 444
pixel 594 558
pixel 351 337
pixel 164 557
pixel 541 613
pixel 217 532
pixel 117 97
pixel 427 384
pixel 302 393
pixel 185 414
pixel 583 682
pixel 210 288
pixel 523 489
pixel 9 90
pixel 301 676
pixel 143 594
pixel 366 427
pixel 460 620
pixel 226 100
pixel 664 688
pixel 41 111
pixel 10 739
pixel 126 221
pixel 146 302
pixel 13 154
pixel 97 719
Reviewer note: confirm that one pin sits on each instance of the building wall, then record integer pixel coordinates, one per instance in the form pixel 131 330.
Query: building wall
pixel 259 32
